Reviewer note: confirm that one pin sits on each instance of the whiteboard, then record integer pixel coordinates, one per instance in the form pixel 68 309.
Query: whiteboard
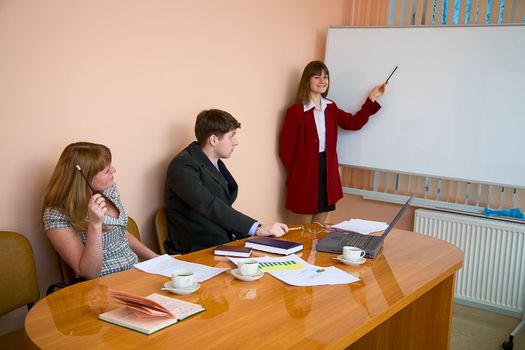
pixel 454 109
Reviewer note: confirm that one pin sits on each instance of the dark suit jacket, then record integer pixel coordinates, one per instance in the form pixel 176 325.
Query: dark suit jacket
pixel 199 202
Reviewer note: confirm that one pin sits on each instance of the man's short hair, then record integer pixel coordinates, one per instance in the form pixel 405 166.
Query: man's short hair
pixel 214 122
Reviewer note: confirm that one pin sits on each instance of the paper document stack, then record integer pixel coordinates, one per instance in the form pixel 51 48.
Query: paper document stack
pixel 165 264
pixel 295 271
pixel 361 226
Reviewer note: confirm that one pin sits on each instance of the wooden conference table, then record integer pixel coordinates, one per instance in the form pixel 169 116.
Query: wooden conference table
pixel 403 301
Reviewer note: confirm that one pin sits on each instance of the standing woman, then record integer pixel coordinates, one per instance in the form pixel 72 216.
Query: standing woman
pixel 308 143
pixel 88 230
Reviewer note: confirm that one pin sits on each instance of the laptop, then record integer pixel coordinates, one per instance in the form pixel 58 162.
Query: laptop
pixel 334 242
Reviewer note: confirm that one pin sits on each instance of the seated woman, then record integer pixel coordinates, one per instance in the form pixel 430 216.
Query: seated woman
pixel 88 230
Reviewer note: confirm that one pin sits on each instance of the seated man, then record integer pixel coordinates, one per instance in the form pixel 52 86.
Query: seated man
pixel 200 191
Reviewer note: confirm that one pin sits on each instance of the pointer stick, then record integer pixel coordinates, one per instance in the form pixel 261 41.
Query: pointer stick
pixel 386 82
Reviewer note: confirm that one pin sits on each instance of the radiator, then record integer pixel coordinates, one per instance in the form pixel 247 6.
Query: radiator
pixel 493 275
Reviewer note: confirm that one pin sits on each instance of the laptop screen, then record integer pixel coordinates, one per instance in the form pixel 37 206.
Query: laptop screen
pixel 398 217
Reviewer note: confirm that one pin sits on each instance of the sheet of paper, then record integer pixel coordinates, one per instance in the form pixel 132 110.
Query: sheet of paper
pixel 361 226
pixel 304 275
pixel 165 264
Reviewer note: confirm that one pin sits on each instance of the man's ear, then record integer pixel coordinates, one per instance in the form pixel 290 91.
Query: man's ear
pixel 212 140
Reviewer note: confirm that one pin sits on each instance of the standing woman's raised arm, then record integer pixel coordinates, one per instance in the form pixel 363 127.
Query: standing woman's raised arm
pixel 377 91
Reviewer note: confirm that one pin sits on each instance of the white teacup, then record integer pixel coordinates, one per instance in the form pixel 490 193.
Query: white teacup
pixel 353 253
pixel 248 268
pixel 182 279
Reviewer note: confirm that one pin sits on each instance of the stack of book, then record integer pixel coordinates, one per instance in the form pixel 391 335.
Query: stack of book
pixel 232 250
pixel 273 245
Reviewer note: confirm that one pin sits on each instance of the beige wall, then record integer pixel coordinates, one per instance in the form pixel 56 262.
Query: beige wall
pixel 133 75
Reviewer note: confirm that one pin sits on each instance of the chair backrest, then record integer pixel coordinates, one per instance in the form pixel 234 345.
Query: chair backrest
pixel 133 228
pixel 67 273
pixel 161 227
pixel 17 272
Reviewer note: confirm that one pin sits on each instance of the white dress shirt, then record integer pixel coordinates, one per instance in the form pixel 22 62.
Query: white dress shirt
pixel 319 121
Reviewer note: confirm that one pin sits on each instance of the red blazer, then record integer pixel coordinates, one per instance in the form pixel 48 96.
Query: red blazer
pixel 299 152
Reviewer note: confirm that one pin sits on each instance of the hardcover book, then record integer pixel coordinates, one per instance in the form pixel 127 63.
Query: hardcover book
pixel 231 250
pixel 273 245
pixel 148 314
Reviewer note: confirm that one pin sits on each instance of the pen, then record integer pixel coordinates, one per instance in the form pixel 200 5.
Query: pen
pixel 85 178
pixel 319 270
pixel 296 228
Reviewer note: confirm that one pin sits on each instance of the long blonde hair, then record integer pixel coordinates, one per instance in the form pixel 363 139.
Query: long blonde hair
pixel 303 90
pixel 67 191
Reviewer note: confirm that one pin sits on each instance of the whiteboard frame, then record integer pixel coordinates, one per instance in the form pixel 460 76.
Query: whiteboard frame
pixel 381 68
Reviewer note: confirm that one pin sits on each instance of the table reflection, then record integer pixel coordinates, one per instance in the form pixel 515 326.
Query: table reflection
pixel 72 309
pixel 298 301
pixel 213 299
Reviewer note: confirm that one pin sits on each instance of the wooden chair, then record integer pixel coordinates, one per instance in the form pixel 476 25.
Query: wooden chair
pixel 161 228
pixel 133 228
pixel 18 280
pixel 68 275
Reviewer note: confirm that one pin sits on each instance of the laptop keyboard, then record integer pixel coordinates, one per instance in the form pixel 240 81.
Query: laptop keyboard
pixel 356 240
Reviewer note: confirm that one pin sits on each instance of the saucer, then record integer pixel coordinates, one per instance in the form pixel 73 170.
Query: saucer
pixel 237 274
pixel 181 291
pixel 351 262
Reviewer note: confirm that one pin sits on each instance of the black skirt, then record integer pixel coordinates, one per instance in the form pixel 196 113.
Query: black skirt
pixel 322 204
